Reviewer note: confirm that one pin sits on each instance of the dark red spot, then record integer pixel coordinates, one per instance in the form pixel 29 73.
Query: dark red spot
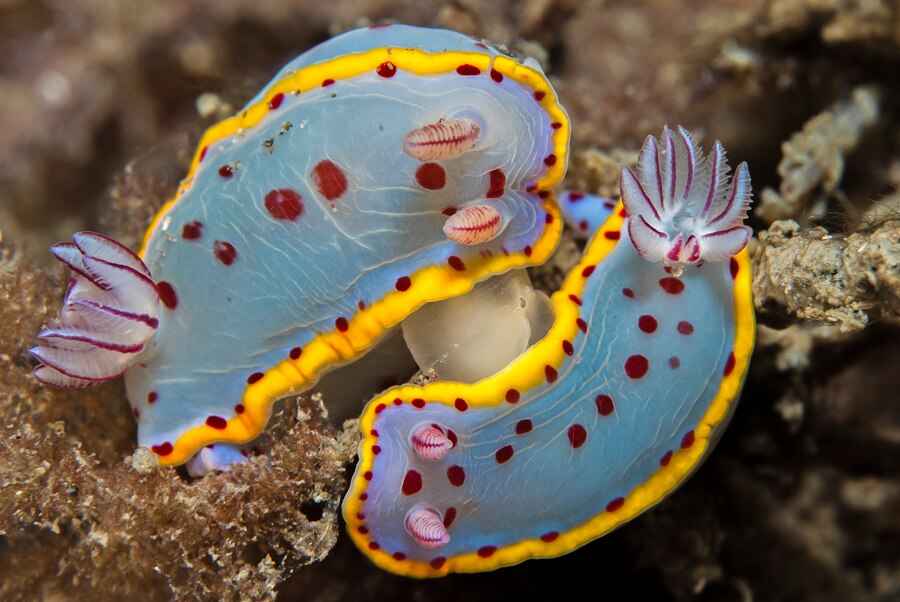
pixel 403 283
pixel 216 422
pixel 544 194
pixel 576 196
pixel 531 188
pixel 685 327
pixel 550 160
pixel 524 426
pixel 284 203
pixel 588 270
pixel 527 250
pixel 460 404
pixel 647 324
pixel 203 153
pixel 487 551
pixel 341 324
pixel 361 305
pixel 192 230
pixel 376 450
pixel 468 70
pixel 225 252
pixel 496 184
pixel 373 433
pixel 373 545
pixel 615 504
pixel 582 325
pixel 380 408
pixel 674 363
pixel 628 293
pixel 239 408
pixel 226 171
pixel 418 403
pixel 449 516
pixel 551 373
pixel 456 263
pixel 412 483
pixel 431 176
pixel 734 267
pixel 548 219
pixel 512 396
pixel 448 211
pixel 163 449
pixel 398 401
pixel 276 101
pixel 437 563
pixel 368 475
pixel 255 377
pixel 605 405
pixel 636 366
pixel 363 497
pixel 567 347
pixel 556 125
pixel 673 286
pixel 386 69
pixel 398 556
pixel 136 413
pixel 152 396
pixel 456 475
pixel 729 364
pixel 167 294
pixel 612 234
pixel 622 212
pixel 577 435
pixel 687 440
pixel 327 82
pixel 364 530
pixel 549 536
pixel 539 95
pixel 504 454
pixel 329 179
pixel 667 457
pixel 496 76
pixel 452 436
pixel 296 352
pixel 574 299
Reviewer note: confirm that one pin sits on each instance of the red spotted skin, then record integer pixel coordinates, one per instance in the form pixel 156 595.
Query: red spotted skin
pixel 566 443
pixel 285 225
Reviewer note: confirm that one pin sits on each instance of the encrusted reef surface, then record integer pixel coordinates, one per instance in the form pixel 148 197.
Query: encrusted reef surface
pixel 101 104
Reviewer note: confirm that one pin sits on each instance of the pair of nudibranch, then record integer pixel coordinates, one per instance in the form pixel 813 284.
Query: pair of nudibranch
pixel 292 248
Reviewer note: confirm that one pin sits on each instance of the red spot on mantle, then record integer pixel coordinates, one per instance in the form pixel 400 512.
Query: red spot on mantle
pixel 412 483
pixel 284 204
pixel 216 422
pixel 167 294
pixel 468 70
pixel 504 454
pixel 456 475
pixel 403 283
pixel 577 435
pixel 497 184
pixel 163 449
pixel 431 176
pixel 673 286
pixel 329 179
pixel 636 366
pixel 192 230
pixel 275 101
pixel 729 364
pixel 224 251
pixel 386 69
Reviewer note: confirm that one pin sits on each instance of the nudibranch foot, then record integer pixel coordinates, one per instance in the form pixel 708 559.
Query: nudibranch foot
pixel 584 212
pixel 219 456
pixel 108 315
pixel 682 209
pixel 590 426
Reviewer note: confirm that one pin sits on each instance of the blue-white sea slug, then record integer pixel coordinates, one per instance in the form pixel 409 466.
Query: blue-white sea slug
pixel 383 169
pixel 597 421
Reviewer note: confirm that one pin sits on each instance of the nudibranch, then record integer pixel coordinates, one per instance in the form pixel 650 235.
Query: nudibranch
pixel 583 212
pixel 383 169
pixel 600 419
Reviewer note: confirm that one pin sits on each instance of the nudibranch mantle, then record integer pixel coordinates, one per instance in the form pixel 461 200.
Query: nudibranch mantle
pixel 594 424
pixel 303 230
